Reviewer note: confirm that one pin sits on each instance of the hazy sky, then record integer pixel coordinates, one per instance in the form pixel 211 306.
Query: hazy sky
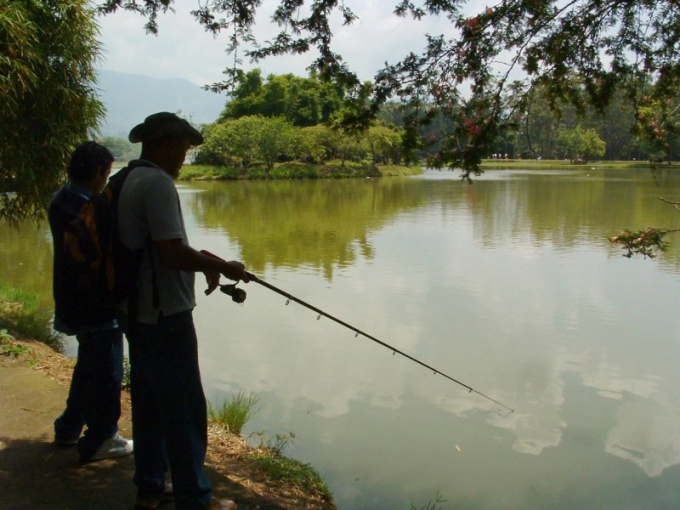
pixel 184 50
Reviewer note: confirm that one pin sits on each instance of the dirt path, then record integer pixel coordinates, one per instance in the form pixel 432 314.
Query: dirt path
pixel 36 475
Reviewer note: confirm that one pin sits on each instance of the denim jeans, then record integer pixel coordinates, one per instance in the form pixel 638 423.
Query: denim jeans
pixel 169 410
pixel 94 395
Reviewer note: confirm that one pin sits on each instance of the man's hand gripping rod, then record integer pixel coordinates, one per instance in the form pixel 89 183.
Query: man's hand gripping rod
pixel 239 295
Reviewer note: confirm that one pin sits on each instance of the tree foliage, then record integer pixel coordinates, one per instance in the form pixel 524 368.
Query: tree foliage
pixel 256 139
pixel 236 140
pixel 301 101
pixel 47 53
pixel 580 51
pixel 122 150
pixel 580 144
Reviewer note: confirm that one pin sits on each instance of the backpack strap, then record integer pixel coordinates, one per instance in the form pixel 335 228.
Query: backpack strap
pixel 115 185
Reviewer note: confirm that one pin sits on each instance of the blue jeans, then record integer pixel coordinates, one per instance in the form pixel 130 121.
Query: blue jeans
pixel 94 396
pixel 169 410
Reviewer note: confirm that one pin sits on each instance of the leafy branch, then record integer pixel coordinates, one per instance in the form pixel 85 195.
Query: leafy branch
pixel 648 242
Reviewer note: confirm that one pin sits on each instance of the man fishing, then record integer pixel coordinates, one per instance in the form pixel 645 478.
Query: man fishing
pixel 169 410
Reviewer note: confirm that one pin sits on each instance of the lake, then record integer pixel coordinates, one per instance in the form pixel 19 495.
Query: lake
pixel 508 285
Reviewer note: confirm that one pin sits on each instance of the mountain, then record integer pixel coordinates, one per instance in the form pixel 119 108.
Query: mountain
pixel 129 98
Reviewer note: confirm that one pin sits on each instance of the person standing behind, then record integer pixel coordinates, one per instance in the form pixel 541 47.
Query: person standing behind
pixel 94 394
pixel 169 409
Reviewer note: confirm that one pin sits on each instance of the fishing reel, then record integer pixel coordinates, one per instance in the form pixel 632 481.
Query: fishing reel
pixel 238 295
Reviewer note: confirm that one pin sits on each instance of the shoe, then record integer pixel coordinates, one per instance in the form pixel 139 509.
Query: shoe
pixel 65 440
pixel 116 446
pixel 221 504
pixel 153 502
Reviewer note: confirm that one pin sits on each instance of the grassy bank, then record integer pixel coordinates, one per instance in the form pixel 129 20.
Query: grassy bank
pixel 295 170
pixel 560 164
pixel 232 415
pixel 335 170
pixel 21 314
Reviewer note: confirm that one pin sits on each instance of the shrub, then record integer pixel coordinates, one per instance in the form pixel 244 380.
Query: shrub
pixel 21 312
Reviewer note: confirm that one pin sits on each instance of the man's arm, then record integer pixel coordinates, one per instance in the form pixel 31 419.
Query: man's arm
pixel 183 257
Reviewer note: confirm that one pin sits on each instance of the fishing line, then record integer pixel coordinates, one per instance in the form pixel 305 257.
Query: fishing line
pixel 229 289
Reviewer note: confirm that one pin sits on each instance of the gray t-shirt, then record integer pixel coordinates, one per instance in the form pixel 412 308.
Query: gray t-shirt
pixel 149 206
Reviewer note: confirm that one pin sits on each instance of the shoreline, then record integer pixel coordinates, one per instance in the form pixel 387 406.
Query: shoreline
pixel 229 458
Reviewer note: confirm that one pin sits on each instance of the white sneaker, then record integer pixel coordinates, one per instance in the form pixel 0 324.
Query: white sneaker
pixel 116 446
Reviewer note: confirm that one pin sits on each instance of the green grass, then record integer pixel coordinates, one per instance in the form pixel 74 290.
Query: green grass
pixel 235 413
pixel 208 172
pixel 268 456
pixel 10 349
pixel 295 170
pixel 269 459
pixel 21 312
pixel 560 164
pixel 335 169
pixel 294 472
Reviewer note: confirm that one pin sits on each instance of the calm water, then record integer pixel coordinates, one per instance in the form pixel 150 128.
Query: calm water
pixel 508 285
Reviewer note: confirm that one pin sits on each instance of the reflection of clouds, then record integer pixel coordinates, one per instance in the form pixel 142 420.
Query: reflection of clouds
pixel 537 425
pixel 647 433
pixel 533 431
pixel 316 361
pixel 607 380
pixel 647 428
pixel 573 306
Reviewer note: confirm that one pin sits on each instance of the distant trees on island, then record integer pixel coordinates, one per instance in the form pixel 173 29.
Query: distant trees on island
pixel 290 118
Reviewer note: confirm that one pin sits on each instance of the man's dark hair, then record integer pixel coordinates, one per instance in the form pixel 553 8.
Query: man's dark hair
pixel 86 159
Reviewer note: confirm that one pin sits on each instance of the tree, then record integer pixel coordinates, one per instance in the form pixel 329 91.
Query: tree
pixel 216 148
pixel 232 139
pixel 275 140
pixel 122 150
pixel 48 101
pixel 301 101
pixel 384 144
pixel 608 45
pixel 247 139
pixel 312 144
pixel 580 144
pixel 616 125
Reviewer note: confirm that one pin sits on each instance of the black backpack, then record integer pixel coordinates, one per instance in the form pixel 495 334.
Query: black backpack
pixel 106 272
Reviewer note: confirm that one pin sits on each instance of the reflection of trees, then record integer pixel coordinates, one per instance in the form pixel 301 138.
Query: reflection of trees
pixel 328 222
pixel 568 209
pixel 304 223
pixel 26 258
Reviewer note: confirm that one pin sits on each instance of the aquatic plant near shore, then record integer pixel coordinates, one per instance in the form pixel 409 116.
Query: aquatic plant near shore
pixel 235 413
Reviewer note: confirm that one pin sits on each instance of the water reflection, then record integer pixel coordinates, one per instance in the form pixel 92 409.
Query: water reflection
pixel 647 433
pixel 320 224
pixel 509 285
pixel 26 257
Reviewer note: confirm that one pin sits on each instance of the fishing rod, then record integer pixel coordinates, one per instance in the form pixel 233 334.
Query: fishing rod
pixel 238 295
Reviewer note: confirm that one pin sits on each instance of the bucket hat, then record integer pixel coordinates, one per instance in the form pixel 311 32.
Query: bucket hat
pixel 162 125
